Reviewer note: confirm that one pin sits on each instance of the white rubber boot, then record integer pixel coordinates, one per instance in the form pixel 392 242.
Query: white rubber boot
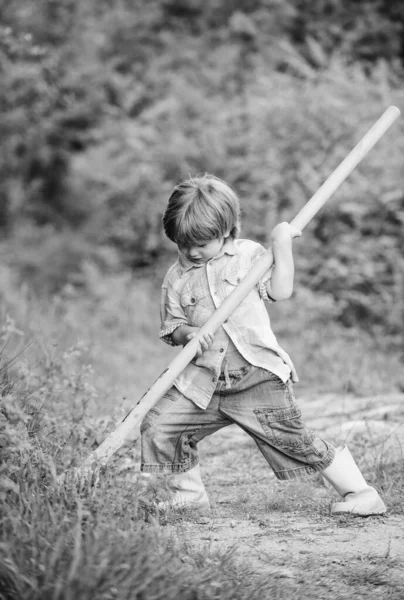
pixel 188 492
pixel 345 477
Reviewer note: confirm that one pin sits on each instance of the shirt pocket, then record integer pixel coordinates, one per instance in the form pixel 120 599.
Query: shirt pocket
pixel 195 305
pixel 232 277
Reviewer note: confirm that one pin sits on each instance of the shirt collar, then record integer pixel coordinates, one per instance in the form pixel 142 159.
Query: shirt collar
pixel 229 247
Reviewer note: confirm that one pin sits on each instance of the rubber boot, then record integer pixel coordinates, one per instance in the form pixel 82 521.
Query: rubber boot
pixel 188 492
pixel 345 477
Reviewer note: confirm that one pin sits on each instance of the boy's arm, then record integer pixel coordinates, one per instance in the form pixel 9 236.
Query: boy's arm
pixel 280 286
pixel 171 313
pixel 180 335
pixel 174 329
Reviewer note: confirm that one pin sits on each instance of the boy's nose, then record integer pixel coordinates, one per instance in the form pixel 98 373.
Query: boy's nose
pixel 192 252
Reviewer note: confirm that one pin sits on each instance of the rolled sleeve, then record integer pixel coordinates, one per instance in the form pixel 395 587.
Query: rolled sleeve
pixel 171 313
pixel 262 284
pixel 262 290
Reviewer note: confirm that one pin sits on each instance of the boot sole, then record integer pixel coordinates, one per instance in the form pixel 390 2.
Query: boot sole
pixel 352 508
pixel 182 508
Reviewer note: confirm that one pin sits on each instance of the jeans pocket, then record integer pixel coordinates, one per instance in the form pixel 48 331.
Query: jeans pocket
pixel 276 382
pixel 285 430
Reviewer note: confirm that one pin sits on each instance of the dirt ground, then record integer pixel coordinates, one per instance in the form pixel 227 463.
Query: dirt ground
pixel 284 530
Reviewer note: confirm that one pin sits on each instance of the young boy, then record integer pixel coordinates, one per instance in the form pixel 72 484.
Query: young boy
pixel 240 374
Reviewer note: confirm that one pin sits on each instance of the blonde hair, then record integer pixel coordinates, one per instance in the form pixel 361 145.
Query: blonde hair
pixel 201 209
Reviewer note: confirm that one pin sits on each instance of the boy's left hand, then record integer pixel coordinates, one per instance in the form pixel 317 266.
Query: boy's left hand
pixel 204 343
pixel 284 232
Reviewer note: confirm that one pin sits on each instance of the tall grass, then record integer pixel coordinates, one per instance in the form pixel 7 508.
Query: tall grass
pixel 83 540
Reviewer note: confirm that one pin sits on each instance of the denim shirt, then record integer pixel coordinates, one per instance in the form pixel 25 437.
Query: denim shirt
pixel 191 293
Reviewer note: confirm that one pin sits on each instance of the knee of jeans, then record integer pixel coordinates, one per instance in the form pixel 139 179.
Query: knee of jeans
pixel 153 435
pixel 149 420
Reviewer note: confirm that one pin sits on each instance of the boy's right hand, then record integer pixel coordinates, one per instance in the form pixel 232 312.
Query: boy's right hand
pixel 205 342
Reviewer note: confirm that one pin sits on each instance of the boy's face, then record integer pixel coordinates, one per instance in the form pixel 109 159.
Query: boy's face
pixel 201 253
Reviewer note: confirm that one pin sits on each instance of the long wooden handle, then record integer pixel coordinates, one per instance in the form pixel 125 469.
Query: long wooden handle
pixel 116 439
pixel 346 167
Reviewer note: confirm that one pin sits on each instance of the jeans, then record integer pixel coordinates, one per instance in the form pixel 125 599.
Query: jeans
pixel 253 398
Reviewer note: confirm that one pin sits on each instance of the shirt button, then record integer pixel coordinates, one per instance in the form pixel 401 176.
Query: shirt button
pixel 221 349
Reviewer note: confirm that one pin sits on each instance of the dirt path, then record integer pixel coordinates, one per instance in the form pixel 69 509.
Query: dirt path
pixel 301 548
pixel 284 529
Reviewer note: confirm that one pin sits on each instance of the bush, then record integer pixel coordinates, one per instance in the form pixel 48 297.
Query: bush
pixel 112 107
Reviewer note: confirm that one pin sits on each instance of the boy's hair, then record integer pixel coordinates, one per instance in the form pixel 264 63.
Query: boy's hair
pixel 201 209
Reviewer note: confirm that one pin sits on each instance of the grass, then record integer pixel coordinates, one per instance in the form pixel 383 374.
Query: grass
pixel 90 542
pixel 58 400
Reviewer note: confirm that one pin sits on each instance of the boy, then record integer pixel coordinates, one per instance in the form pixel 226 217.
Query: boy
pixel 241 374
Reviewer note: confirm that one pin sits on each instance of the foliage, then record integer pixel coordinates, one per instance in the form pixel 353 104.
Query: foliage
pixel 106 106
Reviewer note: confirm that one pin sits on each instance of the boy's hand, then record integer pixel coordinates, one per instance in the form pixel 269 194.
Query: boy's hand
pixel 284 232
pixel 205 342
